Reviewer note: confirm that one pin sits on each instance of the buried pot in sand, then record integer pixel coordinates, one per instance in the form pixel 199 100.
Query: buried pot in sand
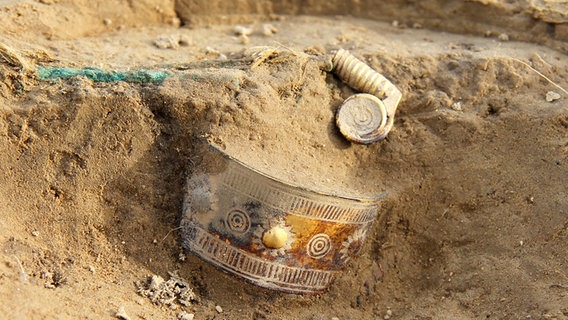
pixel 94 173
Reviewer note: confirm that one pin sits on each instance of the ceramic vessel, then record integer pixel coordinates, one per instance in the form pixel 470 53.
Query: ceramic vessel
pixel 272 233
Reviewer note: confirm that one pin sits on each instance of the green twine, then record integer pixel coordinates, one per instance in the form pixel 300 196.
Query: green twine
pixel 98 75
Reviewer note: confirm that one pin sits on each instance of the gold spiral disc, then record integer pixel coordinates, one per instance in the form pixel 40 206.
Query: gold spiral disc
pixel 362 118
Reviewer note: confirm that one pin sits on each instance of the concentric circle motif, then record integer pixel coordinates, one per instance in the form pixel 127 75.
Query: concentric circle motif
pixel 361 116
pixel 238 221
pixel 364 119
pixel 319 245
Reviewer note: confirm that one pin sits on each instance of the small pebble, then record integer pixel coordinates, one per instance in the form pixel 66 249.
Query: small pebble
pixel 503 37
pixel 185 40
pixel 242 30
pixel 175 21
pixel 219 309
pixel 121 314
pixel 243 39
pixel 91 268
pixel 457 106
pixel 220 56
pixel 552 96
pixel 167 42
pixel 334 318
pixel 185 316
pixel 35 233
pixel 395 23
pixel 107 22
pixel 268 30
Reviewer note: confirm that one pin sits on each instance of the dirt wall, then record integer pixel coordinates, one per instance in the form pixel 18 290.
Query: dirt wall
pixel 68 19
pixel 92 173
pixel 537 21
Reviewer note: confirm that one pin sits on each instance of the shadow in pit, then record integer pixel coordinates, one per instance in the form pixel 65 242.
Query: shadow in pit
pixel 147 198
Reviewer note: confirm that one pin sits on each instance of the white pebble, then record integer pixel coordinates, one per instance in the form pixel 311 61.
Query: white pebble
pixel 185 316
pixel 268 30
pixel 219 309
pixel 552 96
pixel 175 21
pixel 185 40
pixel 167 42
pixel 121 314
pixel 242 30
pixel 35 233
pixel 457 106
pixel 503 37
pixel 243 39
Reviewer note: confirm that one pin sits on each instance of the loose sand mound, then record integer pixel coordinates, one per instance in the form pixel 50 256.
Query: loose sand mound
pixel 475 219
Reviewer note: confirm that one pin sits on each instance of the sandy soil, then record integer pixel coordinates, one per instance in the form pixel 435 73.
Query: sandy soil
pixel 475 220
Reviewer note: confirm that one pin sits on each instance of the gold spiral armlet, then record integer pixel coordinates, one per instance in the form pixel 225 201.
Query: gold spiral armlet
pixel 355 121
